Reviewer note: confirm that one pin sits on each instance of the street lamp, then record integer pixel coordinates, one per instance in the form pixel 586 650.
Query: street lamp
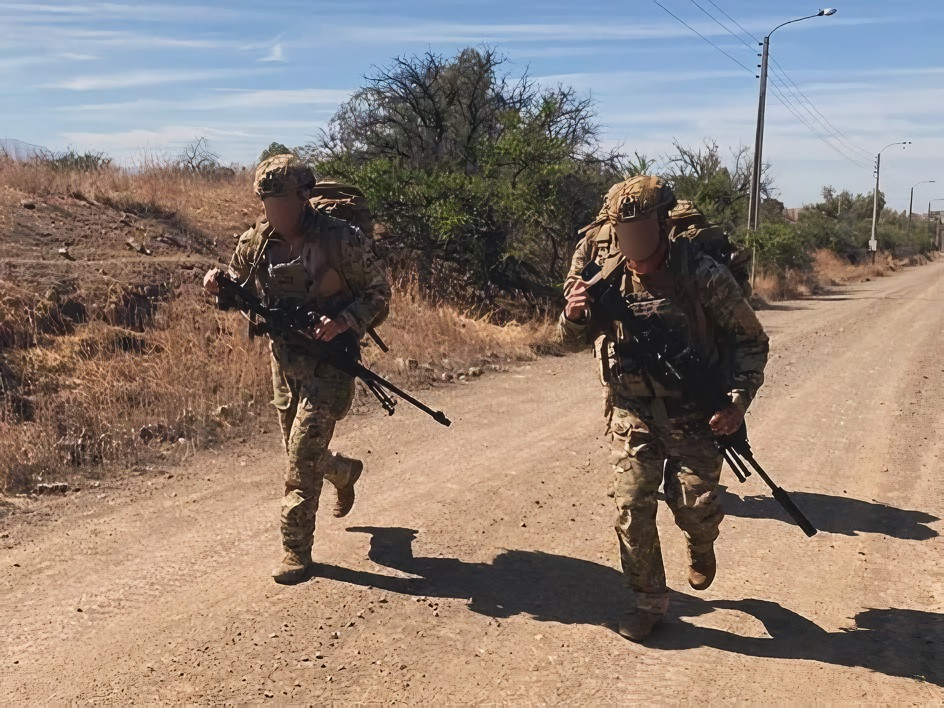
pixel 873 242
pixel 753 209
pixel 911 200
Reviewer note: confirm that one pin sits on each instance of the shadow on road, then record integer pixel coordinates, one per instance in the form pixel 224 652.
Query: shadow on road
pixel 895 642
pixel 840 515
pixel 554 588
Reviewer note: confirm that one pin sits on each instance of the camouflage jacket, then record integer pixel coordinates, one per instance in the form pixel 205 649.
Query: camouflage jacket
pixel 344 277
pixel 721 322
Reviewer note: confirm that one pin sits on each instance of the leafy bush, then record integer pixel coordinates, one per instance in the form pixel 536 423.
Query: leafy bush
pixel 781 248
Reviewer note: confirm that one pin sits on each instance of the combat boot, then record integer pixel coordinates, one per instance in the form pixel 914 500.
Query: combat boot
pixel 347 472
pixel 702 567
pixel 295 568
pixel 636 625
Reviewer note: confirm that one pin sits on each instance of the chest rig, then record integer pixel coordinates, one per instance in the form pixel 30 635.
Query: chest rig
pixel 666 301
pixel 310 278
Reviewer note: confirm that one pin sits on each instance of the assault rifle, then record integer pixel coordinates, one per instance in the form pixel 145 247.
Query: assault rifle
pixel 679 366
pixel 290 325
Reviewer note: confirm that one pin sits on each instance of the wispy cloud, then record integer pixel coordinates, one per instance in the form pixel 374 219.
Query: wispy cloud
pixel 145 77
pixel 139 11
pixel 276 54
pixel 167 137
pixel 225 100
pixel 452 33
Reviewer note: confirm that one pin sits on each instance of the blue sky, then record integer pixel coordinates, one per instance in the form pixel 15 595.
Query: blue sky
pixel 122 77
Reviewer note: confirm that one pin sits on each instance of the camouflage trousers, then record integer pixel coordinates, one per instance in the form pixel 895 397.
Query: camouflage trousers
pixel 309 407
pixel 681 453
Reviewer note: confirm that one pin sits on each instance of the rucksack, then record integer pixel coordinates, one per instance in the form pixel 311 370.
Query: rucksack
pixel 342 201
pixel 712 240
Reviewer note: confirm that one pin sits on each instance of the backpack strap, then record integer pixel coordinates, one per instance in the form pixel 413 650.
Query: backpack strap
pixel 331 233
pixel 684 267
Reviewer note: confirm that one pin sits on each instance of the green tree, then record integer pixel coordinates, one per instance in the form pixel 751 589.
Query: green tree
pixel 274 149
pixel 471 167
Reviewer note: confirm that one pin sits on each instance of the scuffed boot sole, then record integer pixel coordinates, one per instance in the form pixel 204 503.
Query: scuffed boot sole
pixel 702 569
pixel 346 493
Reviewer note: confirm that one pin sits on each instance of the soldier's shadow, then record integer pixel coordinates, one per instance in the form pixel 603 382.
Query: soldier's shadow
pixel 555 588
pixel 840 515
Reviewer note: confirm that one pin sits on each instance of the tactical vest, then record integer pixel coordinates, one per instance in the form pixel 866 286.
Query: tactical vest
pixel 313 280
pixel 674 307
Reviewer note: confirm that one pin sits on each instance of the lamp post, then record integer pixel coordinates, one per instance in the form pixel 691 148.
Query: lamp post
pixel 873 242
pixel 911 200
pixel 753 209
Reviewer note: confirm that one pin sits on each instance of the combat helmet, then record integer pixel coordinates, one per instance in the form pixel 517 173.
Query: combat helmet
pixel 638 198
pixel 281 175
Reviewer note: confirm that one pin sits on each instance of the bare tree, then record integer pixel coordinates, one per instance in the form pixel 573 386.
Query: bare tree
pixel 198 157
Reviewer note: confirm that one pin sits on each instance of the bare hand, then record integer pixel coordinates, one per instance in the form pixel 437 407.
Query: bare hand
pixel 327 329
pixel 578 302
pixel 727 420
pixel 209 281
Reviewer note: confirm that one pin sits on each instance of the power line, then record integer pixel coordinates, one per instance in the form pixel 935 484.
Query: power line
pixel 801 98
pixel 738 24
pixel 743 66
pixel 817 119
pixel 839 133
pixel 799 116
pixel 723 26
pixel 785 100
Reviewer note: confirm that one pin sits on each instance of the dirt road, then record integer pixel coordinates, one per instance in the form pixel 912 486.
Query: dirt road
pixel 479 563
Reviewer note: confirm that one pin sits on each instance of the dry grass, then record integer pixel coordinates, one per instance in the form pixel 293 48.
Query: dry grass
pixel 104 395
pixel 100 396
pixel 433 339
pixel 829 269
pixel 213 203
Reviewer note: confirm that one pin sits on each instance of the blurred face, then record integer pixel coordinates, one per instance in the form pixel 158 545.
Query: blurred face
pixel 640 242
pixel 285 213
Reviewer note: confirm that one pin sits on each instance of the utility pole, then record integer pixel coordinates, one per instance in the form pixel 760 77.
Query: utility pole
pixel 753 204
pixel 753 208
pixel 873 242
pixel 911 200
pixel 937 228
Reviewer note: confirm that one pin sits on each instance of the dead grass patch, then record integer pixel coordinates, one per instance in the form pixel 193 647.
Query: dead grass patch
pixel 104 396
pixel 196 203
pixel 829 269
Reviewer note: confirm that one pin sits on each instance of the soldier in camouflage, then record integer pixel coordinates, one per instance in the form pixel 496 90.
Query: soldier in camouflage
pixel 658 436
pixel 301 256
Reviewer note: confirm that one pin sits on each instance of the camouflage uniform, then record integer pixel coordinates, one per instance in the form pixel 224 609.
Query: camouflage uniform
pixel 338 274
pixel 656 435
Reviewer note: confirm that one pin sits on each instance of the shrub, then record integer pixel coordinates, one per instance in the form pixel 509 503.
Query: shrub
pixel 781 248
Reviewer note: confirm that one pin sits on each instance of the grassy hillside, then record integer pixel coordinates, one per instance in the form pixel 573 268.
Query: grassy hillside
pixel 110 354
